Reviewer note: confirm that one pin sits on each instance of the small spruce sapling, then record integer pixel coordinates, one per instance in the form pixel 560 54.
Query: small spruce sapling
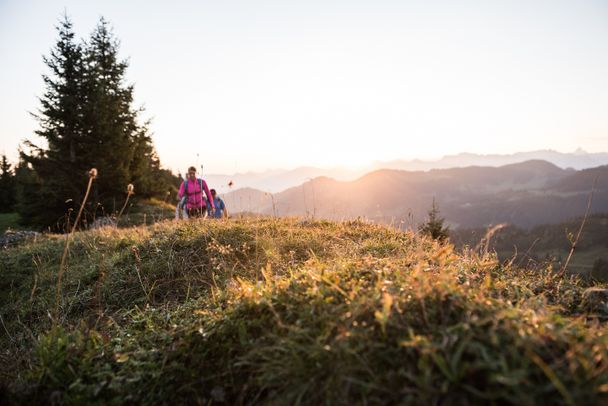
pixel 434 226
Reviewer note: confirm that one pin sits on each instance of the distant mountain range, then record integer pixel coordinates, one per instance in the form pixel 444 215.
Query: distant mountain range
pixel 523 194
pixel 279 180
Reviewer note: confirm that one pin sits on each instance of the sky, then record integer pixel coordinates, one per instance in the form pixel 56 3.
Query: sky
pixel 252 85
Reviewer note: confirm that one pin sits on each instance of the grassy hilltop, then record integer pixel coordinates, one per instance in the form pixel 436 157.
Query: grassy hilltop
pixel 287 311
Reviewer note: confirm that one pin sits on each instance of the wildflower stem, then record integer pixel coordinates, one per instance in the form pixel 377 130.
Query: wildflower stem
pixel 123 207
pixel 67 246
pixel 580 230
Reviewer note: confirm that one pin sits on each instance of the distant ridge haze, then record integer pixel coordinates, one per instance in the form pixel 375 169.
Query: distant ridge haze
pixel 277 180
pixel 524 194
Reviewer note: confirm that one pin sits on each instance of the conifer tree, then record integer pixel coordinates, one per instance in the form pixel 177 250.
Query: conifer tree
pixel 122 148
pixel 58 167
pixel 7 186
pixel 87 120
pixel 434 227
pixel 27 190
pixel 110 120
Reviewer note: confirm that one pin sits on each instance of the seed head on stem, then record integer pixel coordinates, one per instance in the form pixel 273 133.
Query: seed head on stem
pixel 92 176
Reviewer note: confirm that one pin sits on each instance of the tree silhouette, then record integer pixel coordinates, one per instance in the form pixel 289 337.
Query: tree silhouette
pixel 7 186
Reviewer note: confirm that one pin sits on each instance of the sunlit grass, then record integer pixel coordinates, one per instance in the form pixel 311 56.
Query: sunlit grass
pixel 287 311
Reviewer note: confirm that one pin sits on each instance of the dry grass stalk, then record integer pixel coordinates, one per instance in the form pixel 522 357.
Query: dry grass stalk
pixel 485 241
pixel 580 229
pixel 130 191
pixel 92 176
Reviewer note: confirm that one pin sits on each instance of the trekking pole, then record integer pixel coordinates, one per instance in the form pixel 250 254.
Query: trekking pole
pixel 206 212
pixel 203 215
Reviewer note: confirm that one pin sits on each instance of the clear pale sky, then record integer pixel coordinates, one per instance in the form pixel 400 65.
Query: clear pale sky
pixel 250 85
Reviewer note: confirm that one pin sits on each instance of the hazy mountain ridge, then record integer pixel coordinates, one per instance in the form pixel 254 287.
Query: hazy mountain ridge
pixel 578 159
pixel 524 194
pixel 277 180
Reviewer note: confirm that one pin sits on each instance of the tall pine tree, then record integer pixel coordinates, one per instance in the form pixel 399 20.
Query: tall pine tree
pixel 88 120
pixel 109 118
pixel 58 166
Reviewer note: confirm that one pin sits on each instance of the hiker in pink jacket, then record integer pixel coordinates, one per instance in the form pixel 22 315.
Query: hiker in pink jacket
pixel 192 188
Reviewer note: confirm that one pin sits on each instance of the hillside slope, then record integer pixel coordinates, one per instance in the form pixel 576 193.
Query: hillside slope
pixel 288 311
pixel 550 242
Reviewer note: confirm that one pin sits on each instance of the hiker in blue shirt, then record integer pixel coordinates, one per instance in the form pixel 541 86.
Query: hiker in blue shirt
pixel 220 207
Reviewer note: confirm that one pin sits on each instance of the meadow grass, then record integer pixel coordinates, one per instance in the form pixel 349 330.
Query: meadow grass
pixel 287 311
